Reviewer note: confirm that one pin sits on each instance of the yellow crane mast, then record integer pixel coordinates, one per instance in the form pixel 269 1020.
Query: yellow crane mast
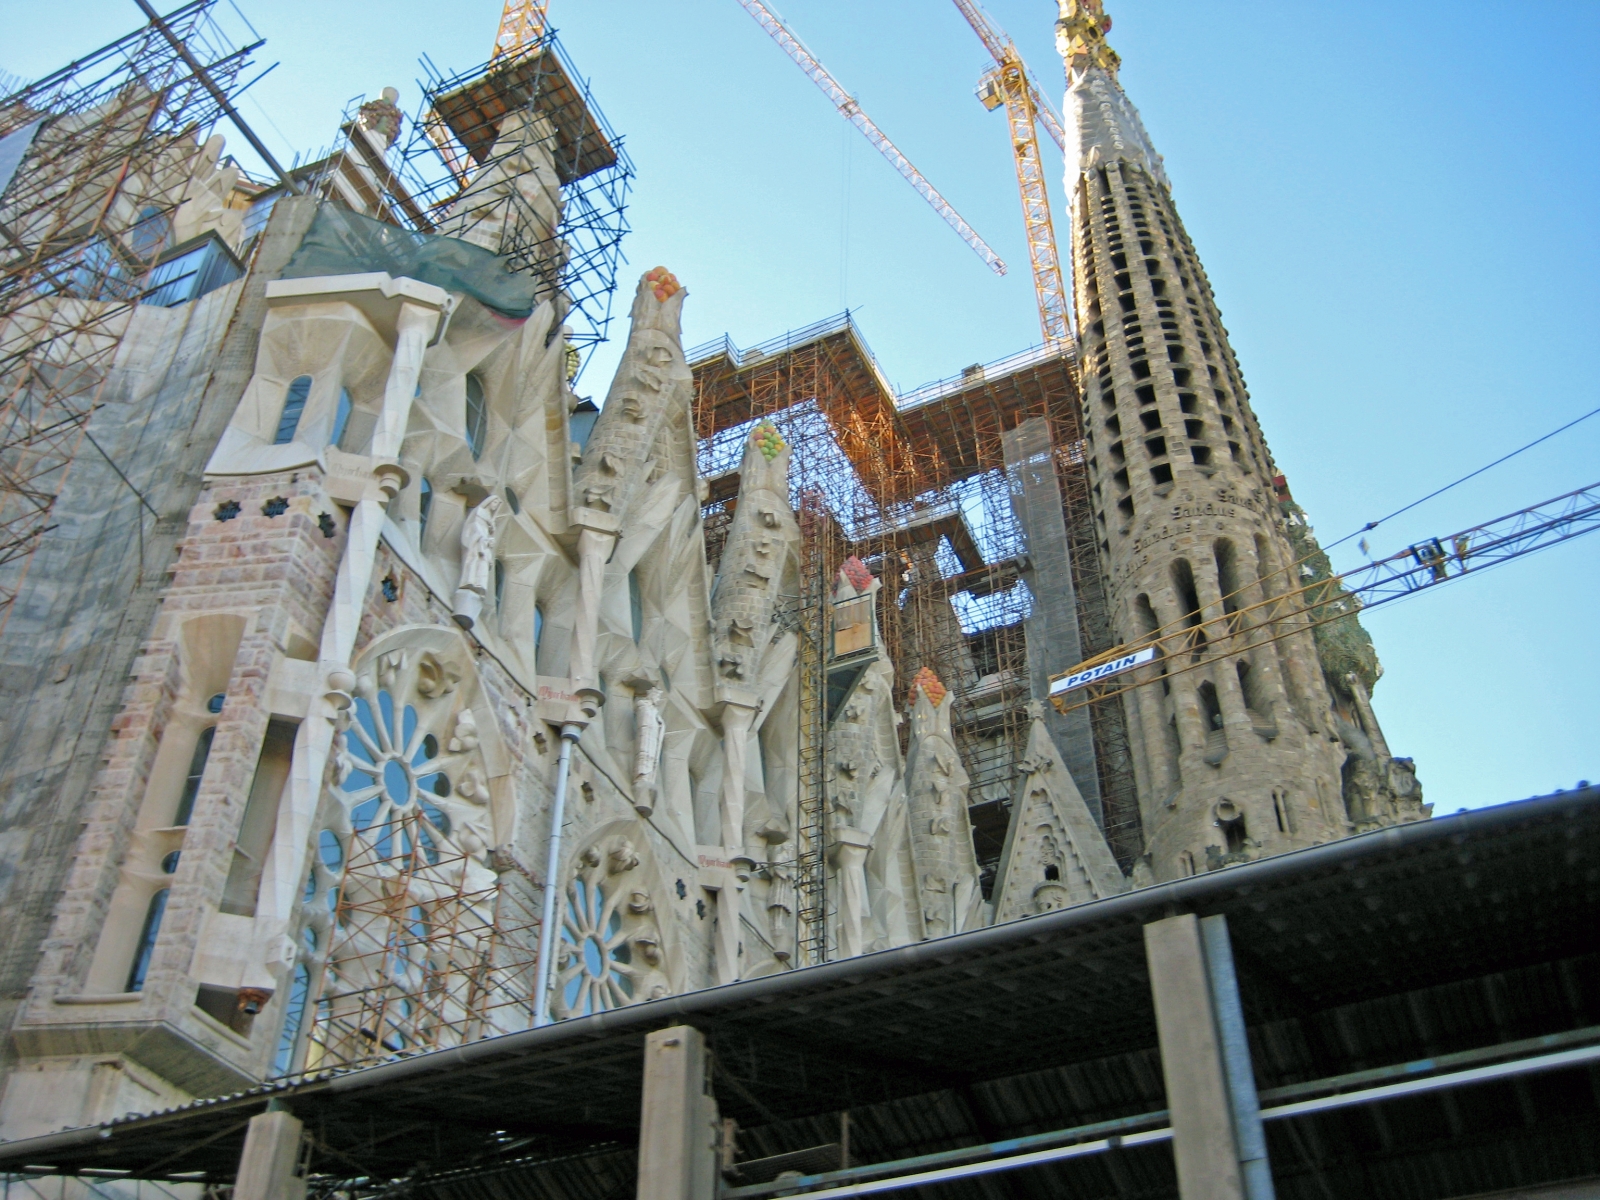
pixel 851 111
pixel 1008 83
pixel 522 24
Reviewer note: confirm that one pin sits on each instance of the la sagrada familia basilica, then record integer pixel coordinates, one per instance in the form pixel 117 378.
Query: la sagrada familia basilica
pixel 440 723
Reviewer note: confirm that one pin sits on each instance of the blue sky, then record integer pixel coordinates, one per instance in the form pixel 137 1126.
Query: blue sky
pixel 1396 206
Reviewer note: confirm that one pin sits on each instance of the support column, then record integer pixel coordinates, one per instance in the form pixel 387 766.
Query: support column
pixel 284 872
pixel 1191 1062
pixel 269 1166
pixel 736 722
pixel 597 538
pixel 677 1119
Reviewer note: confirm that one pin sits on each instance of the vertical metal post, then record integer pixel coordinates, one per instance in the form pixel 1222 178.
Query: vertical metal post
pixel 552 876
pixel 1254 1167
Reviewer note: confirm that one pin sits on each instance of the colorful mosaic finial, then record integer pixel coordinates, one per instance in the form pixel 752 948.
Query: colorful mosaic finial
pixel 928 684
pixel 856 572
pixel 663 283
pixel 768 440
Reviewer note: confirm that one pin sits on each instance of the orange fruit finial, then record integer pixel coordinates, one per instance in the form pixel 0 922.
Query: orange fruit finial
pixel 928 684
pixel 663 283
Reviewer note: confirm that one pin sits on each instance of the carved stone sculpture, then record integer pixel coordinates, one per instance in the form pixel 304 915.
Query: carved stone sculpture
pixel 1055 854
pixel 647 752
pixel 936 797
pixel 477 561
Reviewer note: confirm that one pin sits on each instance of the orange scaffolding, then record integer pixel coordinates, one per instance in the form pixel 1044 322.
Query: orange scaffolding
pixel 918 487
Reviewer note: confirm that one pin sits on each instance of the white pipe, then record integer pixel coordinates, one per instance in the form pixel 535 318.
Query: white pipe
pixel 1525 1066
pixel 552 876
pixel 1011 1163
pixel 1254 1167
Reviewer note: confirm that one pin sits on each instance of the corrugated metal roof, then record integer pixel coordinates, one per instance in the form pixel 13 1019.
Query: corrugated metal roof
pixel 1458 933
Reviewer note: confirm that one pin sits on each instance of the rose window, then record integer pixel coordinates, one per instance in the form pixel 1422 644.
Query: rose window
pixel 610 951
pixel 394 781
pixel 597 969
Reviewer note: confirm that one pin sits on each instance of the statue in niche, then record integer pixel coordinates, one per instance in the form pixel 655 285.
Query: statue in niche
pixel 477 561
pixel 780 910
pixel 647 751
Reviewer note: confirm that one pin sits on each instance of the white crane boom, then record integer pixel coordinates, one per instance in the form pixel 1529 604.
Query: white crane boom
pixel 851 111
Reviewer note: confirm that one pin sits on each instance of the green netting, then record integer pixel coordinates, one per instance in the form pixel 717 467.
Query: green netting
pixel 341 242
pixel 1344 647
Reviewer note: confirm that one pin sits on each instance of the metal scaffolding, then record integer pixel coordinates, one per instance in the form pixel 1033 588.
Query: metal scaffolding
pixel 103 151
pixel 435 949
pixel 927 490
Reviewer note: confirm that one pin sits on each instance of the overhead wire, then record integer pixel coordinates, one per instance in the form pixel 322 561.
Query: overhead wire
pixel 1370 525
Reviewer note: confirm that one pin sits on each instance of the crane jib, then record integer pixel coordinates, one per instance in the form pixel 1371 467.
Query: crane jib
pixel 1088 675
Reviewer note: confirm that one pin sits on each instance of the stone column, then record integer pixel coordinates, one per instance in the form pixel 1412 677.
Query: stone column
pixel 1191 1062
pixel 270 1162
pixel 849 854
pixel 284 873
pixel 730 913
pixel 677 1119
pixel 596 540
pixel 736 721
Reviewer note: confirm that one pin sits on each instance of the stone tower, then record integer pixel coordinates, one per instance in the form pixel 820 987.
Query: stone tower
pixel 1252 732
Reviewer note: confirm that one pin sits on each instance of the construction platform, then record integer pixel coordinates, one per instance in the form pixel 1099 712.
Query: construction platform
pixel 1422 1005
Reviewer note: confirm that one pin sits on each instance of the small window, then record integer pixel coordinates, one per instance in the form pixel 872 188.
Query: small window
pixel 424 502
pixel 538 630
pixel 582 420
pixel 197 770
pixel 477 416
pixel 147 942
pixel 635 604
pixel 341 418
pixel 294 403
pixel 294 1017
pixel 499 583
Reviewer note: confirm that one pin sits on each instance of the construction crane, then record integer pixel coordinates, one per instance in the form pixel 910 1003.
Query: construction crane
pixel 1009 83
pixel 522 24
pixel 851 111
pixel 1319 601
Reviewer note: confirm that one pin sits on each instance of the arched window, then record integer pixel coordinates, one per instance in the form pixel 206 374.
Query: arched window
pixel 499 583
pixel 294 403
pixel 294 1017
pixel 538 631
pixel 341 418
pixel 635 604
pixel 197 770
pixel 147 941
pixel 424 503
pixel 477 415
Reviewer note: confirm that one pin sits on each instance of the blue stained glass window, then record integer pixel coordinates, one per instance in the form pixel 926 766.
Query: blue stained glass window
pixel 147 941
pixel 477 416
pixel 197 771
pixel 294 1017
pixel 294 403
pixel 341 418
pixel 424 502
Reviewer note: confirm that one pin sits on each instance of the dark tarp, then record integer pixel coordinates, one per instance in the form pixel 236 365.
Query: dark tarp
pixel 341 242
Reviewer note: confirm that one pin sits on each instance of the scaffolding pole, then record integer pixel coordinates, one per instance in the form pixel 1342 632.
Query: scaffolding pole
pixel 106 148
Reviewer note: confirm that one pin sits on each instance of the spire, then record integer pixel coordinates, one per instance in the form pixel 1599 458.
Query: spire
pixel 1081 38
pixel 1106 127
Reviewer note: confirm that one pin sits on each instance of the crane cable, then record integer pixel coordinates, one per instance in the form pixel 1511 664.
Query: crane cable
pixel 1472 475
